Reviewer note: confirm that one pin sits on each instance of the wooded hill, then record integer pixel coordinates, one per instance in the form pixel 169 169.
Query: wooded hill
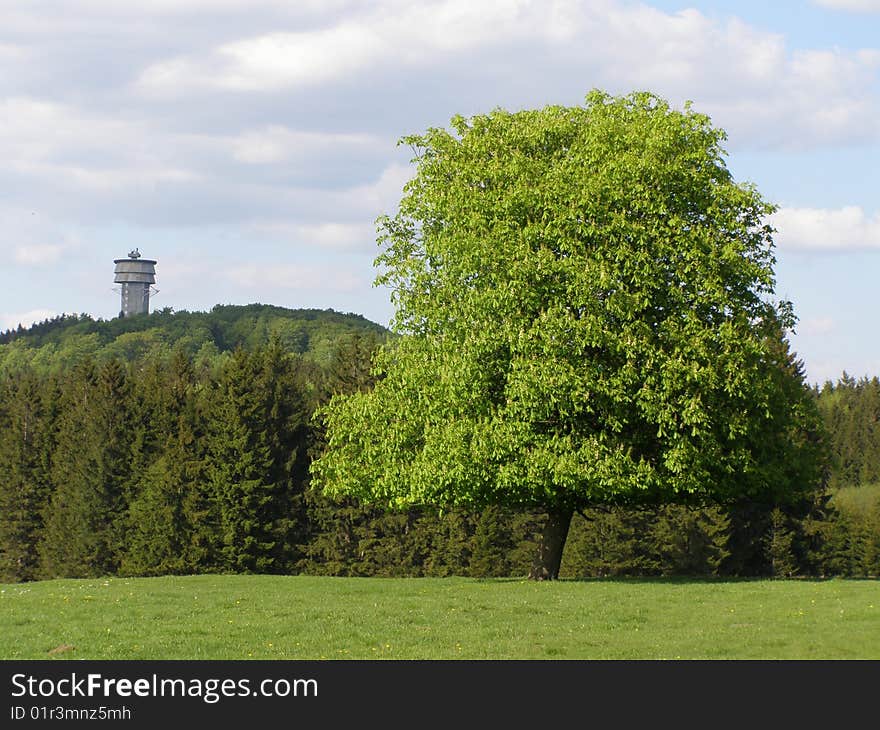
pixel 180 442
pixel 61 342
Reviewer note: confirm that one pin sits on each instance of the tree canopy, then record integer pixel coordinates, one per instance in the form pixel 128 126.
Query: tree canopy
pixel 585 298
pixel 58 344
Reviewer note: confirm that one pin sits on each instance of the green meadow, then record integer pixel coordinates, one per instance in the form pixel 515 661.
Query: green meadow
pixel 303 617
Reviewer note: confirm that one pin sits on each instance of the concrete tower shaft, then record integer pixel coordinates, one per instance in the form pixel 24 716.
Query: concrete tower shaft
pixel 136 275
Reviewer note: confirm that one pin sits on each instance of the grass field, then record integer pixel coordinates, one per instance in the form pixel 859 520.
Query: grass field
pixel 300 617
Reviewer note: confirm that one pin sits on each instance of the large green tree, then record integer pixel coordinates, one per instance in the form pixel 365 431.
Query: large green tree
pixel 586 299
pixel 585 295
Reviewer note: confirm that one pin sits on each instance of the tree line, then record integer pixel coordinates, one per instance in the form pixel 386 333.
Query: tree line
pixel 589 365
pixel 56 343
pixel 179 465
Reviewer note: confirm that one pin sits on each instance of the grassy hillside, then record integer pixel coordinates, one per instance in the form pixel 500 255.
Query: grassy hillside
pixel 277 617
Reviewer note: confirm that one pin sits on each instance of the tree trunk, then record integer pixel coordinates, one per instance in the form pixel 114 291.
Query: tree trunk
pixel 546 565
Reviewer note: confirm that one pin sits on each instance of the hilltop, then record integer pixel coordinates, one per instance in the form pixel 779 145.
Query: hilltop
pixel 55 344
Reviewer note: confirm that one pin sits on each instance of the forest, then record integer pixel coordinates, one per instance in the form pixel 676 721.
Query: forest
pixel 180 443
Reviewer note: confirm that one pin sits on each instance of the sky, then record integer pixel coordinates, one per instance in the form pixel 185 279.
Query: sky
pixel 249 145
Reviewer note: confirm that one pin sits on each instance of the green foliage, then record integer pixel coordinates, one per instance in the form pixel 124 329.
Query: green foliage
pixel 156 466
pixel 780 546
pixel 664 540
pixel 168 515
pixel 493 544
pixel 850 410
pixel 607 542
pixel 690 541
pixel 158 529
pixel 60 343
pixel 584 295
pixel 26 441
pixel 176 462
pixel 853 540
pixel 167 519
pixel 90 471
pixel 256 432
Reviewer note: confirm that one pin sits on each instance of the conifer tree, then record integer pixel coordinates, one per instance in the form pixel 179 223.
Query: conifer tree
pixel 85 520
pixel 609 541
pixel 256 447
pixel 690 540
pixel 493 543
pixel 166 512
pixel 285 423
pixel 238 466
pixel 446 541
pixel 25 444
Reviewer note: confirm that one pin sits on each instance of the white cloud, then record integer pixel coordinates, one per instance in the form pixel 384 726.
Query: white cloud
pixel 337 235
pixel 39 254
pixel 752 85
pixel 108 180
pixel 40 17
pixel 291 59
pixel 329 235
pixel 275 143
pixel 66 145
pixel 359 204
pixel 416 34
pixel 817 326
pixel 64 162
pixel 178 7
pixel 259 277
pixel 858 6
pixel 747 78
pixel 25 319
pixel 38 240
pixel 10 53
pixel 826 229
pixel 384 194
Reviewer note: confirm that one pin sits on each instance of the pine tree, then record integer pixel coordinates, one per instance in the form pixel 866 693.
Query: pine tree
pixel 285 423
pixel 85 519
pixel 872 547
pixel 608 541
pixel 165 517
pixel 690 540
pixel 255 461
pixel 493 544
pixel 156 526
pixel 332 544
pixel 385 545
pixel 26 421
pixel 868 415
pixel 335 525
pixel 446 541
pixel 780 546
pixel 238 465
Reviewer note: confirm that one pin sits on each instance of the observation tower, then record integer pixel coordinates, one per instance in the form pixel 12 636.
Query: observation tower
pixel 136 276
